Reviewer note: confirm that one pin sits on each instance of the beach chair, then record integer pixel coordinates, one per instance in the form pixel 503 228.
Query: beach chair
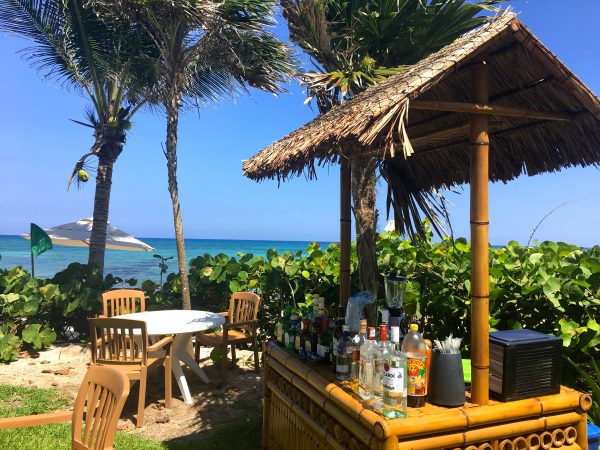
pixel 100 399
pixel 241 327
pixel 117 343
pixel 122 301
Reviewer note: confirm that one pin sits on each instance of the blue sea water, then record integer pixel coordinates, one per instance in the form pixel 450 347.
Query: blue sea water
pixel 14 251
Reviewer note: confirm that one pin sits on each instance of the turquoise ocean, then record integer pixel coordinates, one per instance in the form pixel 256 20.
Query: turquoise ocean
pixel 14 251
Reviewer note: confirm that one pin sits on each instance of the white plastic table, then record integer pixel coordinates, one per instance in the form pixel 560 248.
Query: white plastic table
pixel 183 324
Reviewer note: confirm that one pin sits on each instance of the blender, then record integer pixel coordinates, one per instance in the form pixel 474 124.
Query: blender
pixel 395 288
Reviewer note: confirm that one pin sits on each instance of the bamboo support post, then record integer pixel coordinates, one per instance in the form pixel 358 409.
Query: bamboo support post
pixel 479 241
pixel 345 231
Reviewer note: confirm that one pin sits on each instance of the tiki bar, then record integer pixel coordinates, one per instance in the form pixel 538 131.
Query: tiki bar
pixel 491 106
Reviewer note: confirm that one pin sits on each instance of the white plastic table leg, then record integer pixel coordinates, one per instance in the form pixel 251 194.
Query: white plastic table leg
pixel 180 352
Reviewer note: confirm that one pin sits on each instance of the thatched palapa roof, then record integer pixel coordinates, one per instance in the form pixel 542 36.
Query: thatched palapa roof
pixel 523 74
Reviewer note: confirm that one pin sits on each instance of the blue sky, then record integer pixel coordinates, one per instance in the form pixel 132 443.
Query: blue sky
pixel 40 146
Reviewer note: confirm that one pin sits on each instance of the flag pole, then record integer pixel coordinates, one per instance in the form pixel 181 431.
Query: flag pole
pixel 32 265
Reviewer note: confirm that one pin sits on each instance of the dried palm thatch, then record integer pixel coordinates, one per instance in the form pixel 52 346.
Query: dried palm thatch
pixel 430 146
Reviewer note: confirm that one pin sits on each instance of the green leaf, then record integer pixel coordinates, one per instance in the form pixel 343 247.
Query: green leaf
pixel 306 274
pixel 242 275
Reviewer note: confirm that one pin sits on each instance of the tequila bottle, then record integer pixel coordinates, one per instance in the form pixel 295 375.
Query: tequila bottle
pixel 343 358
pixel 415 349
pixel 383 349
pixel 394 380
pixel 337 333
pixel 367 356
pixel 357 342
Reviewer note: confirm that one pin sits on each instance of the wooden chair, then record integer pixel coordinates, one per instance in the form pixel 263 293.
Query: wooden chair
pixel 117 343
pixel 122 301
pixel 241 327
pixel 101 397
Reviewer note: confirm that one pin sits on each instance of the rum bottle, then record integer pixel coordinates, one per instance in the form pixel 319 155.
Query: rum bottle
pixel 394 380
pixel 415 349
pixel 382 351
pixel 365 374
pixel 343 359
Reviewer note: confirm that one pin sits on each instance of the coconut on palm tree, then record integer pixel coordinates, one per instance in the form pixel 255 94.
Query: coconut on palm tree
pixel 356 44
pixel 207 50
pixel 106 61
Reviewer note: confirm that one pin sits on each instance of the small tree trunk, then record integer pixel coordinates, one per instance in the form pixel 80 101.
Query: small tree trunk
pixel 101 206
pixel 172 107
pixel 364 195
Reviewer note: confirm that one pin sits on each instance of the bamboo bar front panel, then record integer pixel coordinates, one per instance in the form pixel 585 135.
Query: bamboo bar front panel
pixel 306 409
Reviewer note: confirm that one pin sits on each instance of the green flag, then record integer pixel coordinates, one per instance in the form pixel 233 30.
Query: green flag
pixel 40 241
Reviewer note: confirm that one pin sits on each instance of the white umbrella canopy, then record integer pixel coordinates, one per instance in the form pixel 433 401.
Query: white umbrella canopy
pixel 77 234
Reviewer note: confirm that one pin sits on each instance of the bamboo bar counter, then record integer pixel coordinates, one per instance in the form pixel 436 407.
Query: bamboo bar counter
pixel 306 408
pixel 493 105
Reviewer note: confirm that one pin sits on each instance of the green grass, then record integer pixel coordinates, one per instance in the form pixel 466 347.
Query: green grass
pixel 18 401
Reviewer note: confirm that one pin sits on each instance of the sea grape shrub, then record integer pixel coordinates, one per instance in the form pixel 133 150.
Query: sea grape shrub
pixel 35 311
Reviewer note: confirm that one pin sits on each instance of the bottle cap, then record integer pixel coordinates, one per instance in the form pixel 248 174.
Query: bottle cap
pixel 371 333
pixel 385 316
pixel 294 317
pixel 414 327
pixel 345 327
pixel 395 334
pixel 383 332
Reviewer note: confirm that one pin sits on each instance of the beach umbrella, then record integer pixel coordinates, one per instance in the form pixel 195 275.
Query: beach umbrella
pixel 77 234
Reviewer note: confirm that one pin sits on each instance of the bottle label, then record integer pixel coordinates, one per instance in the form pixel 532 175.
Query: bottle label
pixel 417 375
pixel 365 373
pixel 322 350
pixel 335 344
pixel 279 332
pixel 355 355
pixel 307 346
pixel 287 339
pixel 297 343
pixel 393 378
pixel 341 368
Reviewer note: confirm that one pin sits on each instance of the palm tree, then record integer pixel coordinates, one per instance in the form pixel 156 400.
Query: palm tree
pixel 103 60
pixel 355 44
pixel 208 49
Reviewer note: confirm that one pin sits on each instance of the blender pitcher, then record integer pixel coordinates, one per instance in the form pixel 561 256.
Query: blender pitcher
pixel 395 288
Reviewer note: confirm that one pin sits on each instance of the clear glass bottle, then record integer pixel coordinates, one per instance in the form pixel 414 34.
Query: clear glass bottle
pixel 337 333
pixel 365 375
pixel 394 380
pixel 343 358
pixel 357 342
pixel 282 324
pixel 383 349
pixel 415 349
pixel 292 330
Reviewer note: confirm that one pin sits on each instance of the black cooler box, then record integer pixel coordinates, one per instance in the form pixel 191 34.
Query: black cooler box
pixel 523 364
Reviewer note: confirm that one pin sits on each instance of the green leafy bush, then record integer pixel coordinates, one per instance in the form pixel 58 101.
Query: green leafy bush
pixel 34 311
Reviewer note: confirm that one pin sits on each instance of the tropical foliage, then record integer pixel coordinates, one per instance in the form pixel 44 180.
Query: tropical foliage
pixel 107 61
pixel 207 50
pixel 551 287
pixel 356 44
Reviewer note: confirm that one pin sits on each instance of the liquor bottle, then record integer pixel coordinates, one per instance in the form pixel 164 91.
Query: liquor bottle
pixel 332 325
pixel 291 332
pixel 324 340
pixel 382 351
pixel 312 341
pixel 385 318
pixel 365 375
pixel 357 342
pixel 343 359
pixel 282 324
pixel 301 338
pixel 413 346
pixel 337 333
pixel 394 380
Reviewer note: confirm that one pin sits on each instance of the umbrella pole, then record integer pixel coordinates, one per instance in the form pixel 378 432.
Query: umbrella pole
pixel 479 240
pixel 345 230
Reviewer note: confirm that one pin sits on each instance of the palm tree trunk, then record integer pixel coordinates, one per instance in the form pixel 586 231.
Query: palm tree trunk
pixel 172 108
pixel 101 205
pixel 364 195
